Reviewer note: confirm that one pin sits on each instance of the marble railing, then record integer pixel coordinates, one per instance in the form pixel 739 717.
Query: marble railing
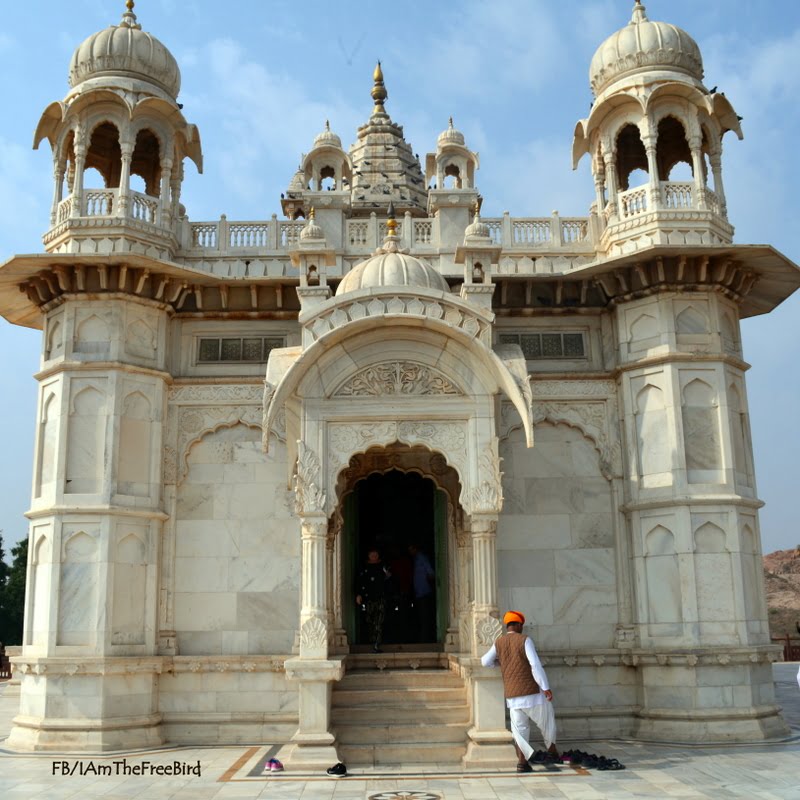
pixel 673 196
pixel 226 237
pixel 105 203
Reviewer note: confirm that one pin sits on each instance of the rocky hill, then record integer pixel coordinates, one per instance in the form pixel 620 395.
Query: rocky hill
pixel 782 582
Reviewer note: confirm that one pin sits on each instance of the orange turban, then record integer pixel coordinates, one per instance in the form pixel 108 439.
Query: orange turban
pixel 514 616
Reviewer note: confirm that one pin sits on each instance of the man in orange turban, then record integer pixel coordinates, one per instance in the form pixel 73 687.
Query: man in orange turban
pixel 526 689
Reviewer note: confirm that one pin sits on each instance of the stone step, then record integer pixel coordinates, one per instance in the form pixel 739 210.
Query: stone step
pixel 390 678
pixel 406 754
pixel 397 696
pixel 401 712
pixel 392 733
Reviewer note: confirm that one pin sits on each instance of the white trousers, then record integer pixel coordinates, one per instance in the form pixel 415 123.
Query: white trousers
pixel 544 717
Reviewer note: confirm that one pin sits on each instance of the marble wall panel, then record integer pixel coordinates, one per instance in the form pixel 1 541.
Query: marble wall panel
pixel 555 542
pixel 86 436
pixel 129 578
pixel 585 568
pixel 586 604
pixel 236 541
pixel 78 587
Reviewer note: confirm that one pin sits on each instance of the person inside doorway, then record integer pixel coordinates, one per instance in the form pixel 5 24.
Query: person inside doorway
pixel 527 692
pixel 371 596
pixel 423 585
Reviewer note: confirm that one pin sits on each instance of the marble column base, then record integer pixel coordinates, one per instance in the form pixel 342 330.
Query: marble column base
pixel 489 750
pixel 310 756
pixel 86 735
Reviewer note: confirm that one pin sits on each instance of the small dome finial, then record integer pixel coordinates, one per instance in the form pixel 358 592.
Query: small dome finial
pixel 378 93
pixel 128 17
pixel 639 13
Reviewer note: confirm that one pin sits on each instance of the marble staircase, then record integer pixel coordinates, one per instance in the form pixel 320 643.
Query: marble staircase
pixel 399 714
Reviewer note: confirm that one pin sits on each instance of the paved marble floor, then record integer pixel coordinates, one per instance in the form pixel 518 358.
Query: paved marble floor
pixel 766 771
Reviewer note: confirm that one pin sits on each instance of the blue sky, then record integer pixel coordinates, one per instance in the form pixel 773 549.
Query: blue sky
pixel 260 78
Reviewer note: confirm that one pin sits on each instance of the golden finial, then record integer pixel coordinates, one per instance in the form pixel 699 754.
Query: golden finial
pixel 327 124
pixel 378 93
pixel 311 215
pixel 451 121
pixel 129 5
pixel 391 223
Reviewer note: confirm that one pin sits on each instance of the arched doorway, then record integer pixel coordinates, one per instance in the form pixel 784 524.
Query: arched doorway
pixel 390 499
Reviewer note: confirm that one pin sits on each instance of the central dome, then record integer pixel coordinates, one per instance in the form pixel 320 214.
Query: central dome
pixel 641 46
pixel 390 266
pixel 126 49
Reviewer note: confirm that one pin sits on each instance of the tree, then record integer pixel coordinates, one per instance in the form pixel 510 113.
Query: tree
pixel 3 566
pixel 12 595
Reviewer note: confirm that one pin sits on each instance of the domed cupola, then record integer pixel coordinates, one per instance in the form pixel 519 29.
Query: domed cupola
pixel 450 136
pixel 644 46
pixel 391 267
pixel 125 50
pixel 312 232
pixel 327 138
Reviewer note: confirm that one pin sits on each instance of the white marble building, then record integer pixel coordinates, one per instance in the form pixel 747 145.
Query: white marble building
pixel 231 412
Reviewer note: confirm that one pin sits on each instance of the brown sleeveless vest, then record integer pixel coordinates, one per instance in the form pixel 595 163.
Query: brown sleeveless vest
pixel 517 678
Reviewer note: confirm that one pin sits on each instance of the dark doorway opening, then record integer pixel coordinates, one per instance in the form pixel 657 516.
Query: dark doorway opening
pixel 391 513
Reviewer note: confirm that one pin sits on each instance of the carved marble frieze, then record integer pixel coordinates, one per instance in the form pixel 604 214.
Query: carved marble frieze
pixel 196 410
pixel 224 393
pixel 593 417
pixel 397 378
pixel 309 494
pixel 487 496
pixel 453 314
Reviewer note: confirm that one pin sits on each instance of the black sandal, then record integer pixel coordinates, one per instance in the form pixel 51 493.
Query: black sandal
pixel 524 767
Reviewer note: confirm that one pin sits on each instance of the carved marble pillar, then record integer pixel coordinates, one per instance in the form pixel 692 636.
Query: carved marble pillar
pixel 490 742
pixel 77 189
pixel 313 671
pixel 313 587
pixel 654 199
pixel 58 191
pixel 695 145
pixel 484 581
pixel 125 179
pixel 719 189
pixel 600 184
pixel 610 159
pixel 164 212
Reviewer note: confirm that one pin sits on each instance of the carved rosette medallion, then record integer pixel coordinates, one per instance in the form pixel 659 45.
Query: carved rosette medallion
pixel 313 634
pixel 487 630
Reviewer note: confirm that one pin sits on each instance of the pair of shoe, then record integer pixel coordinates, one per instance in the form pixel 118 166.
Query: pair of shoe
pixel 273 765
pixel 337 770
